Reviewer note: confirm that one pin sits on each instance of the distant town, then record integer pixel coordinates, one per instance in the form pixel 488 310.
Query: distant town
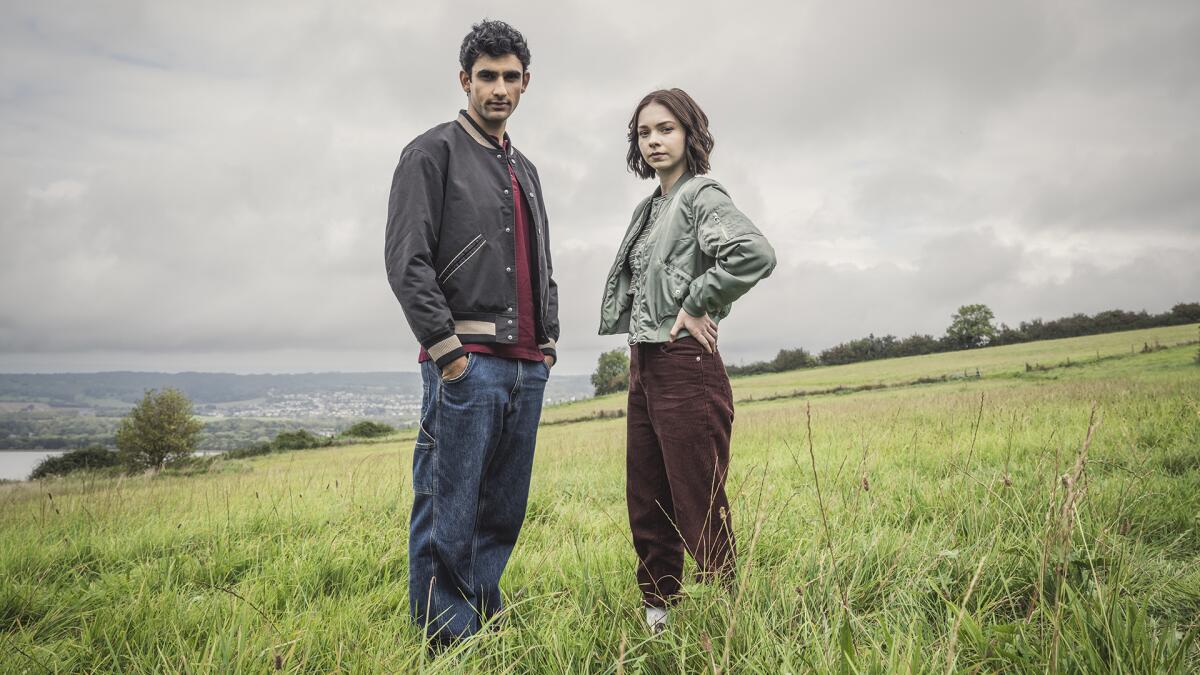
pixel 74 410
pixel 340 404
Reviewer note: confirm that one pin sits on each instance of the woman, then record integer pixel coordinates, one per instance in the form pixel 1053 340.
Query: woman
pixel 687 255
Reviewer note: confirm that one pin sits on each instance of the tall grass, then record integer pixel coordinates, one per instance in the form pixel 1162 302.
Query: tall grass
pixel 1035 522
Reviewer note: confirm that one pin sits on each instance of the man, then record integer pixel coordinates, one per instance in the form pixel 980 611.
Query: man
pixel 468 257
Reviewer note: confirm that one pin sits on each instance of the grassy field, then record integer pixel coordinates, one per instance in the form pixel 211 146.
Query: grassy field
pixel 998 361
pixel 964 525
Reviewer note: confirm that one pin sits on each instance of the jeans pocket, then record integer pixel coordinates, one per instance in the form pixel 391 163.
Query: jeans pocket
pixel 471 358
pixel 425 469
pixel 427 416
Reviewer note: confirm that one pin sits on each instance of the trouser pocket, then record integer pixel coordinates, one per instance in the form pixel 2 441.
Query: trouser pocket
pixel 425 455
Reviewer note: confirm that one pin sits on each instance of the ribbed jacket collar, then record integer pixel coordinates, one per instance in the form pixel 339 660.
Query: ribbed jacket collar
pixel 482 137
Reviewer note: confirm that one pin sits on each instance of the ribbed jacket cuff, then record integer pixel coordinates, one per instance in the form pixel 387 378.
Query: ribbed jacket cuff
pixel 444 351
pixel 550 349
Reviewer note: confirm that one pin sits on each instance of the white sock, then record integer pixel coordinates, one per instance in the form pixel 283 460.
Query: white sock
pixel 656 617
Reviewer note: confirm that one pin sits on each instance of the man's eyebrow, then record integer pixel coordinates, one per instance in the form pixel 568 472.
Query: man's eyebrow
pixel 484 72
pixel 512 73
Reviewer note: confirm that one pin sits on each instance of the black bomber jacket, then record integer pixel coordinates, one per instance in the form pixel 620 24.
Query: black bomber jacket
pixel 450 249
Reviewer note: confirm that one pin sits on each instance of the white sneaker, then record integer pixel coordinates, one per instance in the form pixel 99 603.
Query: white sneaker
pixel 657 619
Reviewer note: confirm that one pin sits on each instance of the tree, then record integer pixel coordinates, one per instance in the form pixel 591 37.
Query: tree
pixel 1186 312
pixel 158 429
pixel 792 359
pixel 972 326
pixel 612 372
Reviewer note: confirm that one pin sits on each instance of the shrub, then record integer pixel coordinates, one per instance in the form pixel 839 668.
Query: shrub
pixel 368 429
pixel 299 440
pixel 92 457
pixel 255 450
pixel 188 465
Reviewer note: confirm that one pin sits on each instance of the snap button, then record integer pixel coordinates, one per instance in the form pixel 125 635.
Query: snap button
pixel 510 309
pixel 511 337
pixel 506 192
pixel 697 358
pixel 507 269
pixel 510 322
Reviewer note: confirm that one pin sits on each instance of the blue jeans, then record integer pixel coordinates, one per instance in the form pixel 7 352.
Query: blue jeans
pixel 471 468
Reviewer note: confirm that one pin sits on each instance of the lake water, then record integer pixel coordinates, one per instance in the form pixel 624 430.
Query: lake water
pixel 18 464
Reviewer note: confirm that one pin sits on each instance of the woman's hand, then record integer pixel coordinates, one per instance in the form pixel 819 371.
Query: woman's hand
pixel 702 328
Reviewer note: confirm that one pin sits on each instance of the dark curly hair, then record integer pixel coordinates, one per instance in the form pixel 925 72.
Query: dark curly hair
pixel 494 38
pixel 691 118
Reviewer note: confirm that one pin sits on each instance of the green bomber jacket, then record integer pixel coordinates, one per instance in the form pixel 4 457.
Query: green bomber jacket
pixel 703 254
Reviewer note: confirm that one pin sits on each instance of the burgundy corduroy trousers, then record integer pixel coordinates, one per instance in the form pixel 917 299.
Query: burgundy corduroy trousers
pixel 677 458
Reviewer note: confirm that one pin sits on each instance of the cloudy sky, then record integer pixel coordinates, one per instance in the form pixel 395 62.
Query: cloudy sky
pixel 203 186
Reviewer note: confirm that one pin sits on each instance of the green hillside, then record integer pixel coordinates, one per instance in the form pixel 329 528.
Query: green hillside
pixel 990 362
pixel 963 525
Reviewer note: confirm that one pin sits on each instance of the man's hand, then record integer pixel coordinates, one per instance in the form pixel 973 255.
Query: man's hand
pixel 455 368
pixel 550 360
pixel 702 328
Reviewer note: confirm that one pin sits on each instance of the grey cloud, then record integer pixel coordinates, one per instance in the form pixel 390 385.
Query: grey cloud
pixel 1145 188
pixel 179 183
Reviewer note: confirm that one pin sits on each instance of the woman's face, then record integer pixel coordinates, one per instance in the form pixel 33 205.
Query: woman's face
pixel 661 138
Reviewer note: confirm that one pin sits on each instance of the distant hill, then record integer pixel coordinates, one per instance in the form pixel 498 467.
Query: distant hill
pixel 71 410
pixel 112 389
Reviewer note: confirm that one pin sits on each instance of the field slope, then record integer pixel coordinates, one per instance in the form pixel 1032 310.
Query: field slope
pixel 933 522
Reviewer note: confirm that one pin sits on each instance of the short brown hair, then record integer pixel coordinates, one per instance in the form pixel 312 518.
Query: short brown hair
pixel 691 118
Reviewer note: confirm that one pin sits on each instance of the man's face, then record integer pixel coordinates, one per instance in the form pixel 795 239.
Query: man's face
pixel 494 86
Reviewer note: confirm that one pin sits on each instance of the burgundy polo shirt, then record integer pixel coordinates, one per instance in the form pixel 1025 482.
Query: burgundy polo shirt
pixel 526 345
